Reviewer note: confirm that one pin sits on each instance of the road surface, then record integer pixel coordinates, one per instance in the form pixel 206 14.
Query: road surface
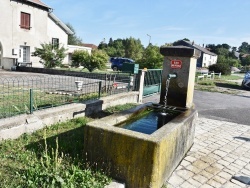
pixel 218 106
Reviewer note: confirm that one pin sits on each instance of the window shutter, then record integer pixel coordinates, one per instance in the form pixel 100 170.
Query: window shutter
pixel 25 20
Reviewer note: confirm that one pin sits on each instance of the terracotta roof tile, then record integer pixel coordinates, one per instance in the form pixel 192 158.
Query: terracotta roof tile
pixel 38 2
pixel 89 45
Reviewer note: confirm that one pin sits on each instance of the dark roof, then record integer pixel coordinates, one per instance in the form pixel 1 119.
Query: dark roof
pixel 196 46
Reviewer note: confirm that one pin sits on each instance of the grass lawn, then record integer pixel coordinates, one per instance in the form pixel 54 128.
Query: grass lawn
pixel 14 101
pixel 221 85
pixel 52 157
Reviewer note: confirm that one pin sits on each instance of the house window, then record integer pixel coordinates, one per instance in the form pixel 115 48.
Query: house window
pixel 55 42
pixel 25 20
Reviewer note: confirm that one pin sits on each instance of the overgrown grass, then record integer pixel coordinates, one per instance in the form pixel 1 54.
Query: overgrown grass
pixel 230 77
pixel 52 157
pixel 221 85
pixel 17 101
pixel 119 108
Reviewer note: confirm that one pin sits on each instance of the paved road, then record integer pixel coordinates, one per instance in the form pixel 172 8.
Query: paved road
pixel 218 106
pixel 232 108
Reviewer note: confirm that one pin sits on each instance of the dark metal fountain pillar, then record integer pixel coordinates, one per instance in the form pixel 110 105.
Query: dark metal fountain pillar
pixel 181 61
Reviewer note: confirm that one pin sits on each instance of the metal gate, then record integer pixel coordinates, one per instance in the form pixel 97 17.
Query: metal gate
pixel 152 81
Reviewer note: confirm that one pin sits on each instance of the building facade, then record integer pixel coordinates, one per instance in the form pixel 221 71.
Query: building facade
pixel 206 59
pixel 25 24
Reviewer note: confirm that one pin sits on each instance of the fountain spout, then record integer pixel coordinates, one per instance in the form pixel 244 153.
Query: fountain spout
pixel 174 75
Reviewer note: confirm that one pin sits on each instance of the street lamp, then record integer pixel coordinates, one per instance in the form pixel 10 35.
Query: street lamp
pixel 149 38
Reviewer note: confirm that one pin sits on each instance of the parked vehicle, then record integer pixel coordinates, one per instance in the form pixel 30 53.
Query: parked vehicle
pixel 117 62
pixel 246 81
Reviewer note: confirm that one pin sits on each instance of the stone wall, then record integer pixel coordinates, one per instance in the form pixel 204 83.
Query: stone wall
pixel 12 128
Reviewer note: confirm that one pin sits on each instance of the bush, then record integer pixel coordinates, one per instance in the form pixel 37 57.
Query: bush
pixel 51 55
pixel 220 67
pixel 96 60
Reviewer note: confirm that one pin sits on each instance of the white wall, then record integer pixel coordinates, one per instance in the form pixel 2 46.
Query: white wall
pixel 42 30
pixel 72 48
pixel 208 60
pixel 55 31
pixel 12 36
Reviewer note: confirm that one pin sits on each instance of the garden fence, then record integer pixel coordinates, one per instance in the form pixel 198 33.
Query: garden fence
pixel 19 95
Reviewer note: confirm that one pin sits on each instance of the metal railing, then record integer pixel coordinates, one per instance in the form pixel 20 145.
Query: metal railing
pixel 152 81
pixel 21 95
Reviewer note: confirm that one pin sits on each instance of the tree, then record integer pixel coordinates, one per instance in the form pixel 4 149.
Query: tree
pixel 113 48
pixel 102 46
pixel 222 68
pixel 73 39
pixel 96 60
pixel 244 48
pixel 211 47
pixel 222 51
pixel 152 59
pixel 167 45
pixel 129 48
pixel 226 46
pixel 133 48
pixel 51 55
pixel 234 49
pixel 245 61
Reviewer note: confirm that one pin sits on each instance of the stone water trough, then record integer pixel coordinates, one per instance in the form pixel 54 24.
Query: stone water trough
pixel 147 160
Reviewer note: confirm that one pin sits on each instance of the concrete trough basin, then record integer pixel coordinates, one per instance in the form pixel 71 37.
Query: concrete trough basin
pixel 138 159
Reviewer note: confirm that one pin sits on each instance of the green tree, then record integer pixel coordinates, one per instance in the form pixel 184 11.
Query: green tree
pixel 226 46
pixel 222 52
pixel 211 47
pixel 152 59
pixel 222 68
pixel 245 61
pixel 96 60
pixel 51 55
pixel 73 39
pixel 234 49
pixel 129 47
pixel 233 62
pixel 113 48
pixel 167 44
pixel 133 48
pixel 244 48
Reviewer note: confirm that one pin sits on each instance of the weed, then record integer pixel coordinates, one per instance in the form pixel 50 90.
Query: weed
pixel 52 157
pixel 119 108
pixel 207 83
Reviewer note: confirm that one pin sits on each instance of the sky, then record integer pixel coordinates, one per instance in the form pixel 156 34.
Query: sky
pixel 157 21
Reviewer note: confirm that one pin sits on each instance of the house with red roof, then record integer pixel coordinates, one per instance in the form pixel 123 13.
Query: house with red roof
pixel 25 24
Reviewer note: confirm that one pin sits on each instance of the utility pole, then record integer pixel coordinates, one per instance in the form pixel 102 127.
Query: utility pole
pixel 149 38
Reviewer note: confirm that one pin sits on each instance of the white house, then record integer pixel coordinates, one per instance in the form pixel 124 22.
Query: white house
pixel 72 48
pixel 206 59
pixel 25 24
